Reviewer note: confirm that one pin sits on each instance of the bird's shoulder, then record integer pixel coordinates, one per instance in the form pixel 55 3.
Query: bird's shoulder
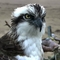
pixel 9 46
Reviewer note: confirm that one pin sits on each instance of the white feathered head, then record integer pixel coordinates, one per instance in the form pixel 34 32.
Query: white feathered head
pixel 34 14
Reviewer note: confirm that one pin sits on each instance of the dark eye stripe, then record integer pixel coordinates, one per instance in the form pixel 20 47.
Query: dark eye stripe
pixel 43 19
pixel 21 19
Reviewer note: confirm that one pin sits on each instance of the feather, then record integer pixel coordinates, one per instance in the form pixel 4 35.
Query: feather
pixel 9 47
pixel 24 39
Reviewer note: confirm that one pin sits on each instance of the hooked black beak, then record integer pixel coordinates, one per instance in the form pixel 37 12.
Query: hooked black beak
pixel 37 23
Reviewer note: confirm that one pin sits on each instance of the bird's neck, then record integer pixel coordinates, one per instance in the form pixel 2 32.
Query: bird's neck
pixel 30 38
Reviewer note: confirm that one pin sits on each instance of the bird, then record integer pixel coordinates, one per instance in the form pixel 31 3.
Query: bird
pixel 24 39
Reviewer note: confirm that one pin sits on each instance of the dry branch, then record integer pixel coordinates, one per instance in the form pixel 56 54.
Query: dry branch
pixel 7 24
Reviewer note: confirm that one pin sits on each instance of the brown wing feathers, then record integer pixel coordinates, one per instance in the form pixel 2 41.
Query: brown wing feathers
pixel 10 47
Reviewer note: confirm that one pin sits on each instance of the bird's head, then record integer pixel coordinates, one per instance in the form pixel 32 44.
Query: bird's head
pixel 32 14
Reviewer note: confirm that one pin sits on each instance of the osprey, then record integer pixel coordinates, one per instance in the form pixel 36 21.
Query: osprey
pixel 24 39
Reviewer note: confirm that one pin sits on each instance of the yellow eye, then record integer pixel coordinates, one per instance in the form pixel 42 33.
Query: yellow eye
pixel 27 17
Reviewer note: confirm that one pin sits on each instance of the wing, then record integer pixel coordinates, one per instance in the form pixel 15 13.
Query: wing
pixel 9 46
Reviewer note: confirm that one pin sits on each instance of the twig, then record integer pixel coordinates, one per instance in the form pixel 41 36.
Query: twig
pixel 6 23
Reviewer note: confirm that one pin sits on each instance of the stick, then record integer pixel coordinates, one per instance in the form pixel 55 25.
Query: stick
pixel 6 23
